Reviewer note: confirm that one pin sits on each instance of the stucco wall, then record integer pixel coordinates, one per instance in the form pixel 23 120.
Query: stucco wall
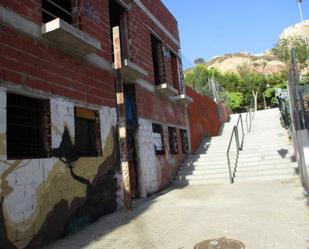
pixel 37 194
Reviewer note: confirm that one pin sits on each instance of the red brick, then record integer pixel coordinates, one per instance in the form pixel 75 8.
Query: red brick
pixel 13 77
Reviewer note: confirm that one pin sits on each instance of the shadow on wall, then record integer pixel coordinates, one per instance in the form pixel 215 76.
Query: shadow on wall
pixel 109 223
pixel 5 242
pixel 100 197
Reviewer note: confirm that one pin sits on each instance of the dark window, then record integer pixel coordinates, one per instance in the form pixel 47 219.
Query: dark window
pixel 158 60
pixel 118 17
pixel 175 73
pixel 184 141
pixel 87 133
pixel 172 138
pixel 28 127
pixel 158 139
pixel 52 9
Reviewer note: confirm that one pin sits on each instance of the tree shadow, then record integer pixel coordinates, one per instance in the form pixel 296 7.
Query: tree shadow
pixel 107 224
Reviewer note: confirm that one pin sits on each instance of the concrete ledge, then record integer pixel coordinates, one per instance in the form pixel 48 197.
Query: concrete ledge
pixel 132 72
pixel 146 85
pixel 183 99
pixel 65 34
pixel 140 4
pixel 166 90
pixel 18 22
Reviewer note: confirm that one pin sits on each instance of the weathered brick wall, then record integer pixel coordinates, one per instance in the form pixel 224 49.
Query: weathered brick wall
pixel 151 106
pixel 40 65
pixel 32 65
pixel 160 11
pixel 141 42
pixel 204 117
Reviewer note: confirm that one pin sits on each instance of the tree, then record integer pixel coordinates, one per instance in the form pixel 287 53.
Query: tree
pixel 197 78
pixel 241 87
pixel 282 50
pixel 236 100
pixel 304 79
pixel 253 83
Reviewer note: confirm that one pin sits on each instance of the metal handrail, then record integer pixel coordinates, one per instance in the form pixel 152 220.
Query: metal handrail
pixel 250 113
pixel 239 146
pixel 240 121
pixel 228 156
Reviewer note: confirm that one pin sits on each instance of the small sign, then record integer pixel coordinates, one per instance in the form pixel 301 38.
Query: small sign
pixel 157 141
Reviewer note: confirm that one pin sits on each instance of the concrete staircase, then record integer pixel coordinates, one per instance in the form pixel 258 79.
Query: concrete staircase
pixel 209 164
pixel 266 154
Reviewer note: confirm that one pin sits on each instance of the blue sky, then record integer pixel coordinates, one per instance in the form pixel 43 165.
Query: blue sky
pixel 212 27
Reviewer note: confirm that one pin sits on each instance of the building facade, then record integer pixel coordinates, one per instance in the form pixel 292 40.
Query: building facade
pixel 59 150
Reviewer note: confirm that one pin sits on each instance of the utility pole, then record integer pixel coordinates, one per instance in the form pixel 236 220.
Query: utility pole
pixel 121 116
pixel 299 2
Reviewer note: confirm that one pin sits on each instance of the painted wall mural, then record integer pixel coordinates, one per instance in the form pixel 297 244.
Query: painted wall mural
pixel 63 191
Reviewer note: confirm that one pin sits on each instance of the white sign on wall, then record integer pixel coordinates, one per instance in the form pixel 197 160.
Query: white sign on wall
pixel 157 141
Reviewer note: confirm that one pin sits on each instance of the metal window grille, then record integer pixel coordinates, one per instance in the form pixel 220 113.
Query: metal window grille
pixel 172 136
pixel 28 127
pixel 52 9
pixel 156 128
pixel 184 141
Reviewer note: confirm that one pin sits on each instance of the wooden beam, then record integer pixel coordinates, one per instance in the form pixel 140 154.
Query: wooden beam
pixel 123 147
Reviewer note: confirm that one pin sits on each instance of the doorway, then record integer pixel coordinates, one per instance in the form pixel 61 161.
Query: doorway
pixel 132 126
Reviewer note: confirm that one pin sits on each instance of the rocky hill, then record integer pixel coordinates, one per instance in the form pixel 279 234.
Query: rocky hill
pixel 265 63
pixel 296 30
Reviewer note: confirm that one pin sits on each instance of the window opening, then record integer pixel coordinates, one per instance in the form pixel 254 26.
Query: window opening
pixel 118 17
pixel 172 136
pixel 184 141
pixel 175 72
pixel 158 60
pixel 87 133
pixel 158 139
pixel 52 9
pixel 28 127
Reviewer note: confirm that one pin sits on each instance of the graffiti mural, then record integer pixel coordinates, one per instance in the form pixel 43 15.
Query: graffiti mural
pixel 63 191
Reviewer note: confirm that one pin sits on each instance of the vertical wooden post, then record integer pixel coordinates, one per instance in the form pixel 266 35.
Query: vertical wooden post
pixel 121 118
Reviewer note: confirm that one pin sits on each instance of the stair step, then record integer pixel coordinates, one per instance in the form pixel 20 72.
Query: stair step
pixel 263 162
pixel 247 158
pixel 278 171
pixel 266 167
pixel 200 182
pixel 265 178
pixel 259 160
pixel 221 172
pixel 211 164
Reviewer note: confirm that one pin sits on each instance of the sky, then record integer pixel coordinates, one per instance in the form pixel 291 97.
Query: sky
pixel 211 28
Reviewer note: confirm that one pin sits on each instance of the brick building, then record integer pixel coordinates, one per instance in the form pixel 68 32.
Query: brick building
pixel 59 153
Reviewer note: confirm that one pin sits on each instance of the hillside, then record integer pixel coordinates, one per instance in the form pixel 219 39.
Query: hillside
pixel 265 63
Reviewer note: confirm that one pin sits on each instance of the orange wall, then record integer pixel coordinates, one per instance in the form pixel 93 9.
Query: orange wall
pixel 205 117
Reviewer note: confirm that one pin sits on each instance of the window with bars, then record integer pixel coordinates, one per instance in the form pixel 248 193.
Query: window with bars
pixel 158 139
pixel 184 141
pixel 28 127
pixel 52 9
pixel 172 137
pixel 87 133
